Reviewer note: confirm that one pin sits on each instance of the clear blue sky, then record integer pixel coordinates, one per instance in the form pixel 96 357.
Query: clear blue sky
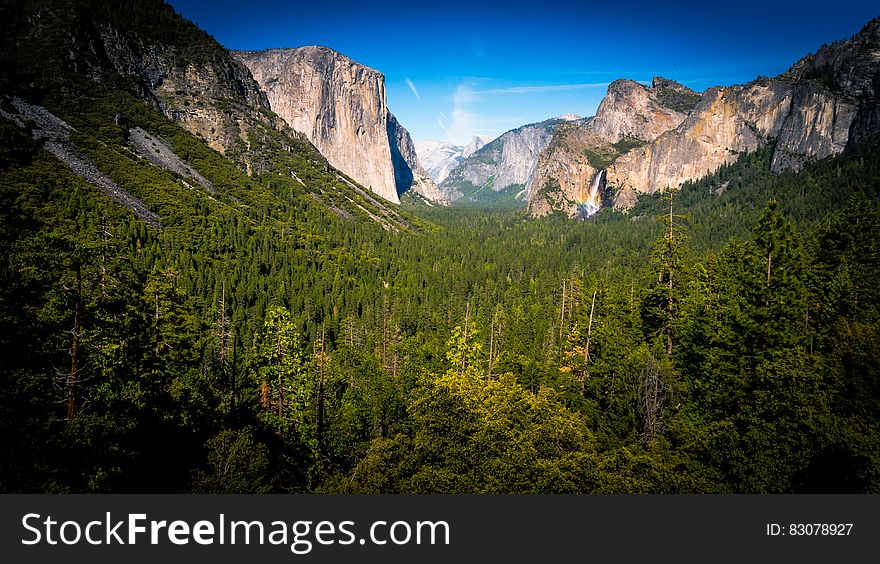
pixel 483 67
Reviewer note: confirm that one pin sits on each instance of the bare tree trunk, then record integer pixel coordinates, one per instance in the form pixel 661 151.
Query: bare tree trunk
pixel 384 331
pixel 74 349
pixel 669 304
pixel 652 401
pixel 467 318
pixel 232 373
pixel 321 397
pixel 590 328
pixel 280 396
pixel 280 352
pixel 562 316
pixel 223 332
pixel 669 319
pixel 491 346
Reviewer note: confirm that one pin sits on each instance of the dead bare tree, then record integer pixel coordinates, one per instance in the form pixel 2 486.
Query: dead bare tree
pixel 652 398
pixel 73 375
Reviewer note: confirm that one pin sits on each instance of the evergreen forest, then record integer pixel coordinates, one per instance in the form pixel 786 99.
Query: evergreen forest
pixel 265 338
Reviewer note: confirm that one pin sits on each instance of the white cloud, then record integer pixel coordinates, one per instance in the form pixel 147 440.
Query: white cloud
pixel 465 122
pixel 413 88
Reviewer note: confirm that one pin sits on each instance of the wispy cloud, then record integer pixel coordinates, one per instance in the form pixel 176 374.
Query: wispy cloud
pixel 465 121
pixel 441 121
pixel 413 88
pixel 475 105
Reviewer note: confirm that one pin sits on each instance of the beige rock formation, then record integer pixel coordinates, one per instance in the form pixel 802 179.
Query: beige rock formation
pixel 825 102
pixel 633 110
pixel 805 121
pixel 339 104
pixel 565 175
pixel 631 114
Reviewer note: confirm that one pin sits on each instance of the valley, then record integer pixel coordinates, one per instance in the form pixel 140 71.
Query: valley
pixel 236 272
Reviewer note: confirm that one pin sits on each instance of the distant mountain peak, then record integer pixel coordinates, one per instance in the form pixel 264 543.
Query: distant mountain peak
pixel 569 117
pixel 475 145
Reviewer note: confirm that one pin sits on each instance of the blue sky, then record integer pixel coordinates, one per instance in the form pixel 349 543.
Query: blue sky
pixel 454 70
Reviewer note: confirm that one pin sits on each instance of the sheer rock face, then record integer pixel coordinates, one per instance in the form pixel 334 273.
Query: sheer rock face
pixel 564 173
pixel 408 172
pixel 804 120
pixel 825 102
pixel 629 113
pixel 632 110
pixel 509 160
pixel 339 105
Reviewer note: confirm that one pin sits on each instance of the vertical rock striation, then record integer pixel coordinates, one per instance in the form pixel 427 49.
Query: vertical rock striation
pixel 630 115
pixel 804 120
pixel 337 103
pixel 825 102
pixel 506 163
pixel 340 106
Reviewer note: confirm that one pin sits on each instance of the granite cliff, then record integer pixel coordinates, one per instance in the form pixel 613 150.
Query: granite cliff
pixel 822 104
pixel 502 168
pixel 132 75
pixel 569 175
pixel 566 178
pixel 340 105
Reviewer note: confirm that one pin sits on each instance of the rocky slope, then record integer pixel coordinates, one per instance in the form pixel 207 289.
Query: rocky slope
pixel 408 172
pixel 567 176
pixel 340 105
pixel 120 73
pixel 566 179
pixel 632 110
pixel 172 65
pixel 55 134
pixel 507 164
pixel 824 103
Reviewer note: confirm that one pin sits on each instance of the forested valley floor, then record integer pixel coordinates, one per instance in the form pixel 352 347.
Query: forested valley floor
pixel 724 339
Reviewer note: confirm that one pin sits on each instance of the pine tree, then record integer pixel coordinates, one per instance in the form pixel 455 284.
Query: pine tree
pixel 668 256
pixel 281 371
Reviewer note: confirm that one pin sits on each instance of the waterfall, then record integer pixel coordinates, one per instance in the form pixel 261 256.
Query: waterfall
pixel 596 186
pixel 594 196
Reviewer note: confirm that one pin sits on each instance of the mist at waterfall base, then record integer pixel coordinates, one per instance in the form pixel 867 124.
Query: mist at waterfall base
pixel 593 202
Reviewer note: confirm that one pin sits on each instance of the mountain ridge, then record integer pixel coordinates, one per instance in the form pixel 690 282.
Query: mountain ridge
pixel 506 163
pixel 570 174
pixel 98 66
pixel 795 111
